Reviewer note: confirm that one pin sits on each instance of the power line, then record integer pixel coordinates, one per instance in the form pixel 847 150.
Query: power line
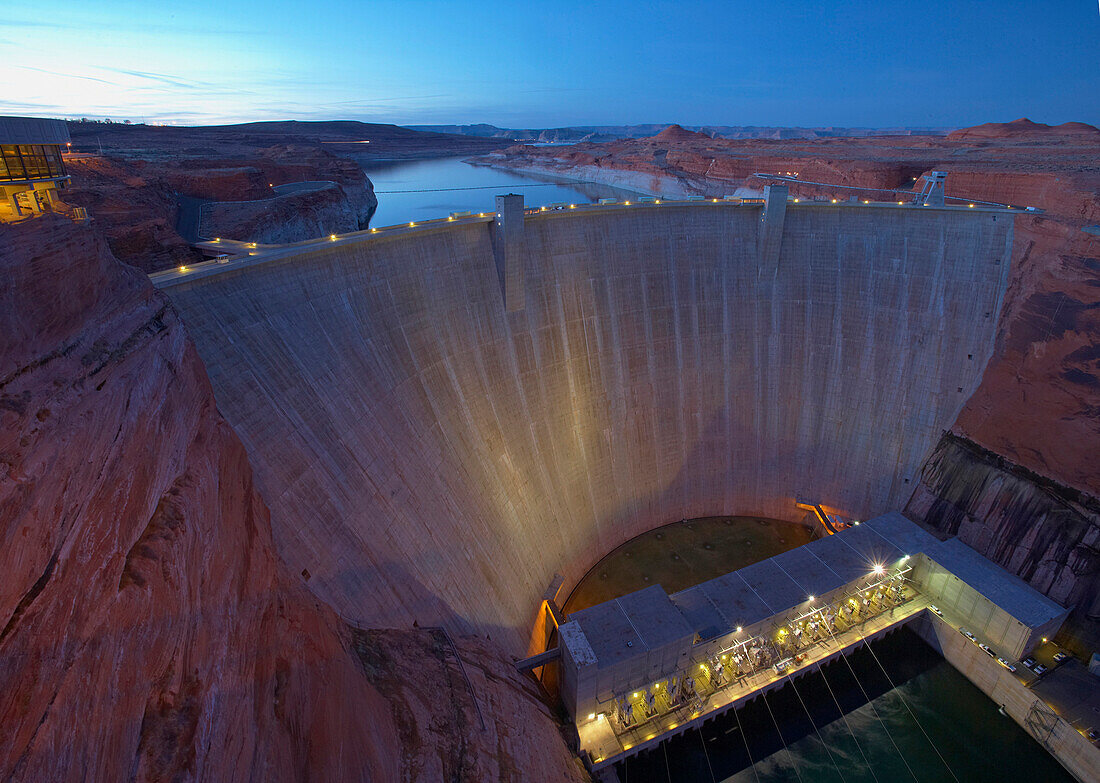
pixel 707 756
pixel 914 716
pixel 745 739
pixel 844 718
pixel 794 764
pixel 474 187
pixel 871 704
pixel 785 178
pixel 816 730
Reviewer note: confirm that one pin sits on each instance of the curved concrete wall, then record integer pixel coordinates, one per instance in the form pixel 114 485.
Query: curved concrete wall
pixel 428 456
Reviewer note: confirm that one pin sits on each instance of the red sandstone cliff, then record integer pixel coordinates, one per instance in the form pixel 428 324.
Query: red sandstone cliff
pixel 1023 128
pixel 681 134
pixel 148 630
pixel 134 196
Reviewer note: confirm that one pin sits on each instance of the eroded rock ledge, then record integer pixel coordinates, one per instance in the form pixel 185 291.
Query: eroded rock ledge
pixel 1043 531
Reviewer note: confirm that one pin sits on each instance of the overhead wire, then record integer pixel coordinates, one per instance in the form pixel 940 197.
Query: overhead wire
pixel 914 716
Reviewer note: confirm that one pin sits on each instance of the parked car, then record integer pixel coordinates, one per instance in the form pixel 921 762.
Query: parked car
pixel 1006 664
pixel 968 635
pixel 1093 734
pixel 1039 668
pixel 1060 656
pixel 936 610
pixel 1028 661
pixel 986 649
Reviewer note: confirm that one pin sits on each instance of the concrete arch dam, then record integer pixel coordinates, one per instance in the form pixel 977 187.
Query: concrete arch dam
pixel 429 454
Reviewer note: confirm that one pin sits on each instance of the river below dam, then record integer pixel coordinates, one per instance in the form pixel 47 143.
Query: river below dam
pixel 924 721
pixel 433 188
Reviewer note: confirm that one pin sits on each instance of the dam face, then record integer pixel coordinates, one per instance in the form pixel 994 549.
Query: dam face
pixel 429 455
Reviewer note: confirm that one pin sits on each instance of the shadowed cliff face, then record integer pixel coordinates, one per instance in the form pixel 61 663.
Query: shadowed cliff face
pixel 319 210
pixel 1046 533
pixel 133 195
pixel 148 630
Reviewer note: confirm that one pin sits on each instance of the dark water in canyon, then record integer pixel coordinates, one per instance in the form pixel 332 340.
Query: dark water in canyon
pixel 924 721
pixel 436 187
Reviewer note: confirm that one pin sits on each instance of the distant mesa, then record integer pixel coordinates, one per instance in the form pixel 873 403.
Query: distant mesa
pixel 1024 127
pixel 679 133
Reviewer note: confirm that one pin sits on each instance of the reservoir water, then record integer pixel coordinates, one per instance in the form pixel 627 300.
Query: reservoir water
pixel 424 189
pixel 895 713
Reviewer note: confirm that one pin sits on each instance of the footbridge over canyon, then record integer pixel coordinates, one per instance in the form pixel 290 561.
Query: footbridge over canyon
pixel 441 417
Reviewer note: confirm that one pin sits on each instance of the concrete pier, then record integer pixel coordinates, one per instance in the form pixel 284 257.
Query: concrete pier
pixel 431 450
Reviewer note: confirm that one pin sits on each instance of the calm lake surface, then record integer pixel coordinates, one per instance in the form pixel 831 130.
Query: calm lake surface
pixel 434 188
pixel 924 721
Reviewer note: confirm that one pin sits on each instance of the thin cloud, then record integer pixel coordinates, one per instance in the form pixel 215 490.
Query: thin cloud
pixel 67 75
pixel 32 106
pixel 560 89
pixel 85 25
pixel 171 81
pixel 368 101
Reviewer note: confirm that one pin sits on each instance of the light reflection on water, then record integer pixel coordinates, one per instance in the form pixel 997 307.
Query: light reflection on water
pixel 964 726
pixel 432 178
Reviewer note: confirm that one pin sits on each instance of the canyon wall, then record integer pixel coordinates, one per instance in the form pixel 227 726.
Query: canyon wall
pixel 1047 533
pixel 1017 479
pixel 148 629
pixel 145 200
pixel 429 457
pixel 321 209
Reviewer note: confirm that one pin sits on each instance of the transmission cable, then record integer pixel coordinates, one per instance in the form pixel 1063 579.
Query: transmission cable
pixel 871 703
pixel 706 755
pixel 843 717
pixel 794 764
pixel 914 716
pixel 821 739
pixel 741 731
pixel 470 187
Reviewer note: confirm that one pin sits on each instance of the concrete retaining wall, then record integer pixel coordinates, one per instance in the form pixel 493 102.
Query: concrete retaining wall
pixel 429 456
pixel 1065 743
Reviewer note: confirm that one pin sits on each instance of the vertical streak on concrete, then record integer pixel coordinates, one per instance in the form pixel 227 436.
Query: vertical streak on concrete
pixel 429 455
pixel 509 251
pixel 771 229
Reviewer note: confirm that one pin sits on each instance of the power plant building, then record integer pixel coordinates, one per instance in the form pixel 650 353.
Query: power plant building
pixel 664 660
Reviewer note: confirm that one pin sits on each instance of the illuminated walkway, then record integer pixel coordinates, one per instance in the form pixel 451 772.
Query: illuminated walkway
pixel 605 746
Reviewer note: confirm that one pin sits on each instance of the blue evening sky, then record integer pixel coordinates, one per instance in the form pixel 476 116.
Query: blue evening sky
pixel 557 62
